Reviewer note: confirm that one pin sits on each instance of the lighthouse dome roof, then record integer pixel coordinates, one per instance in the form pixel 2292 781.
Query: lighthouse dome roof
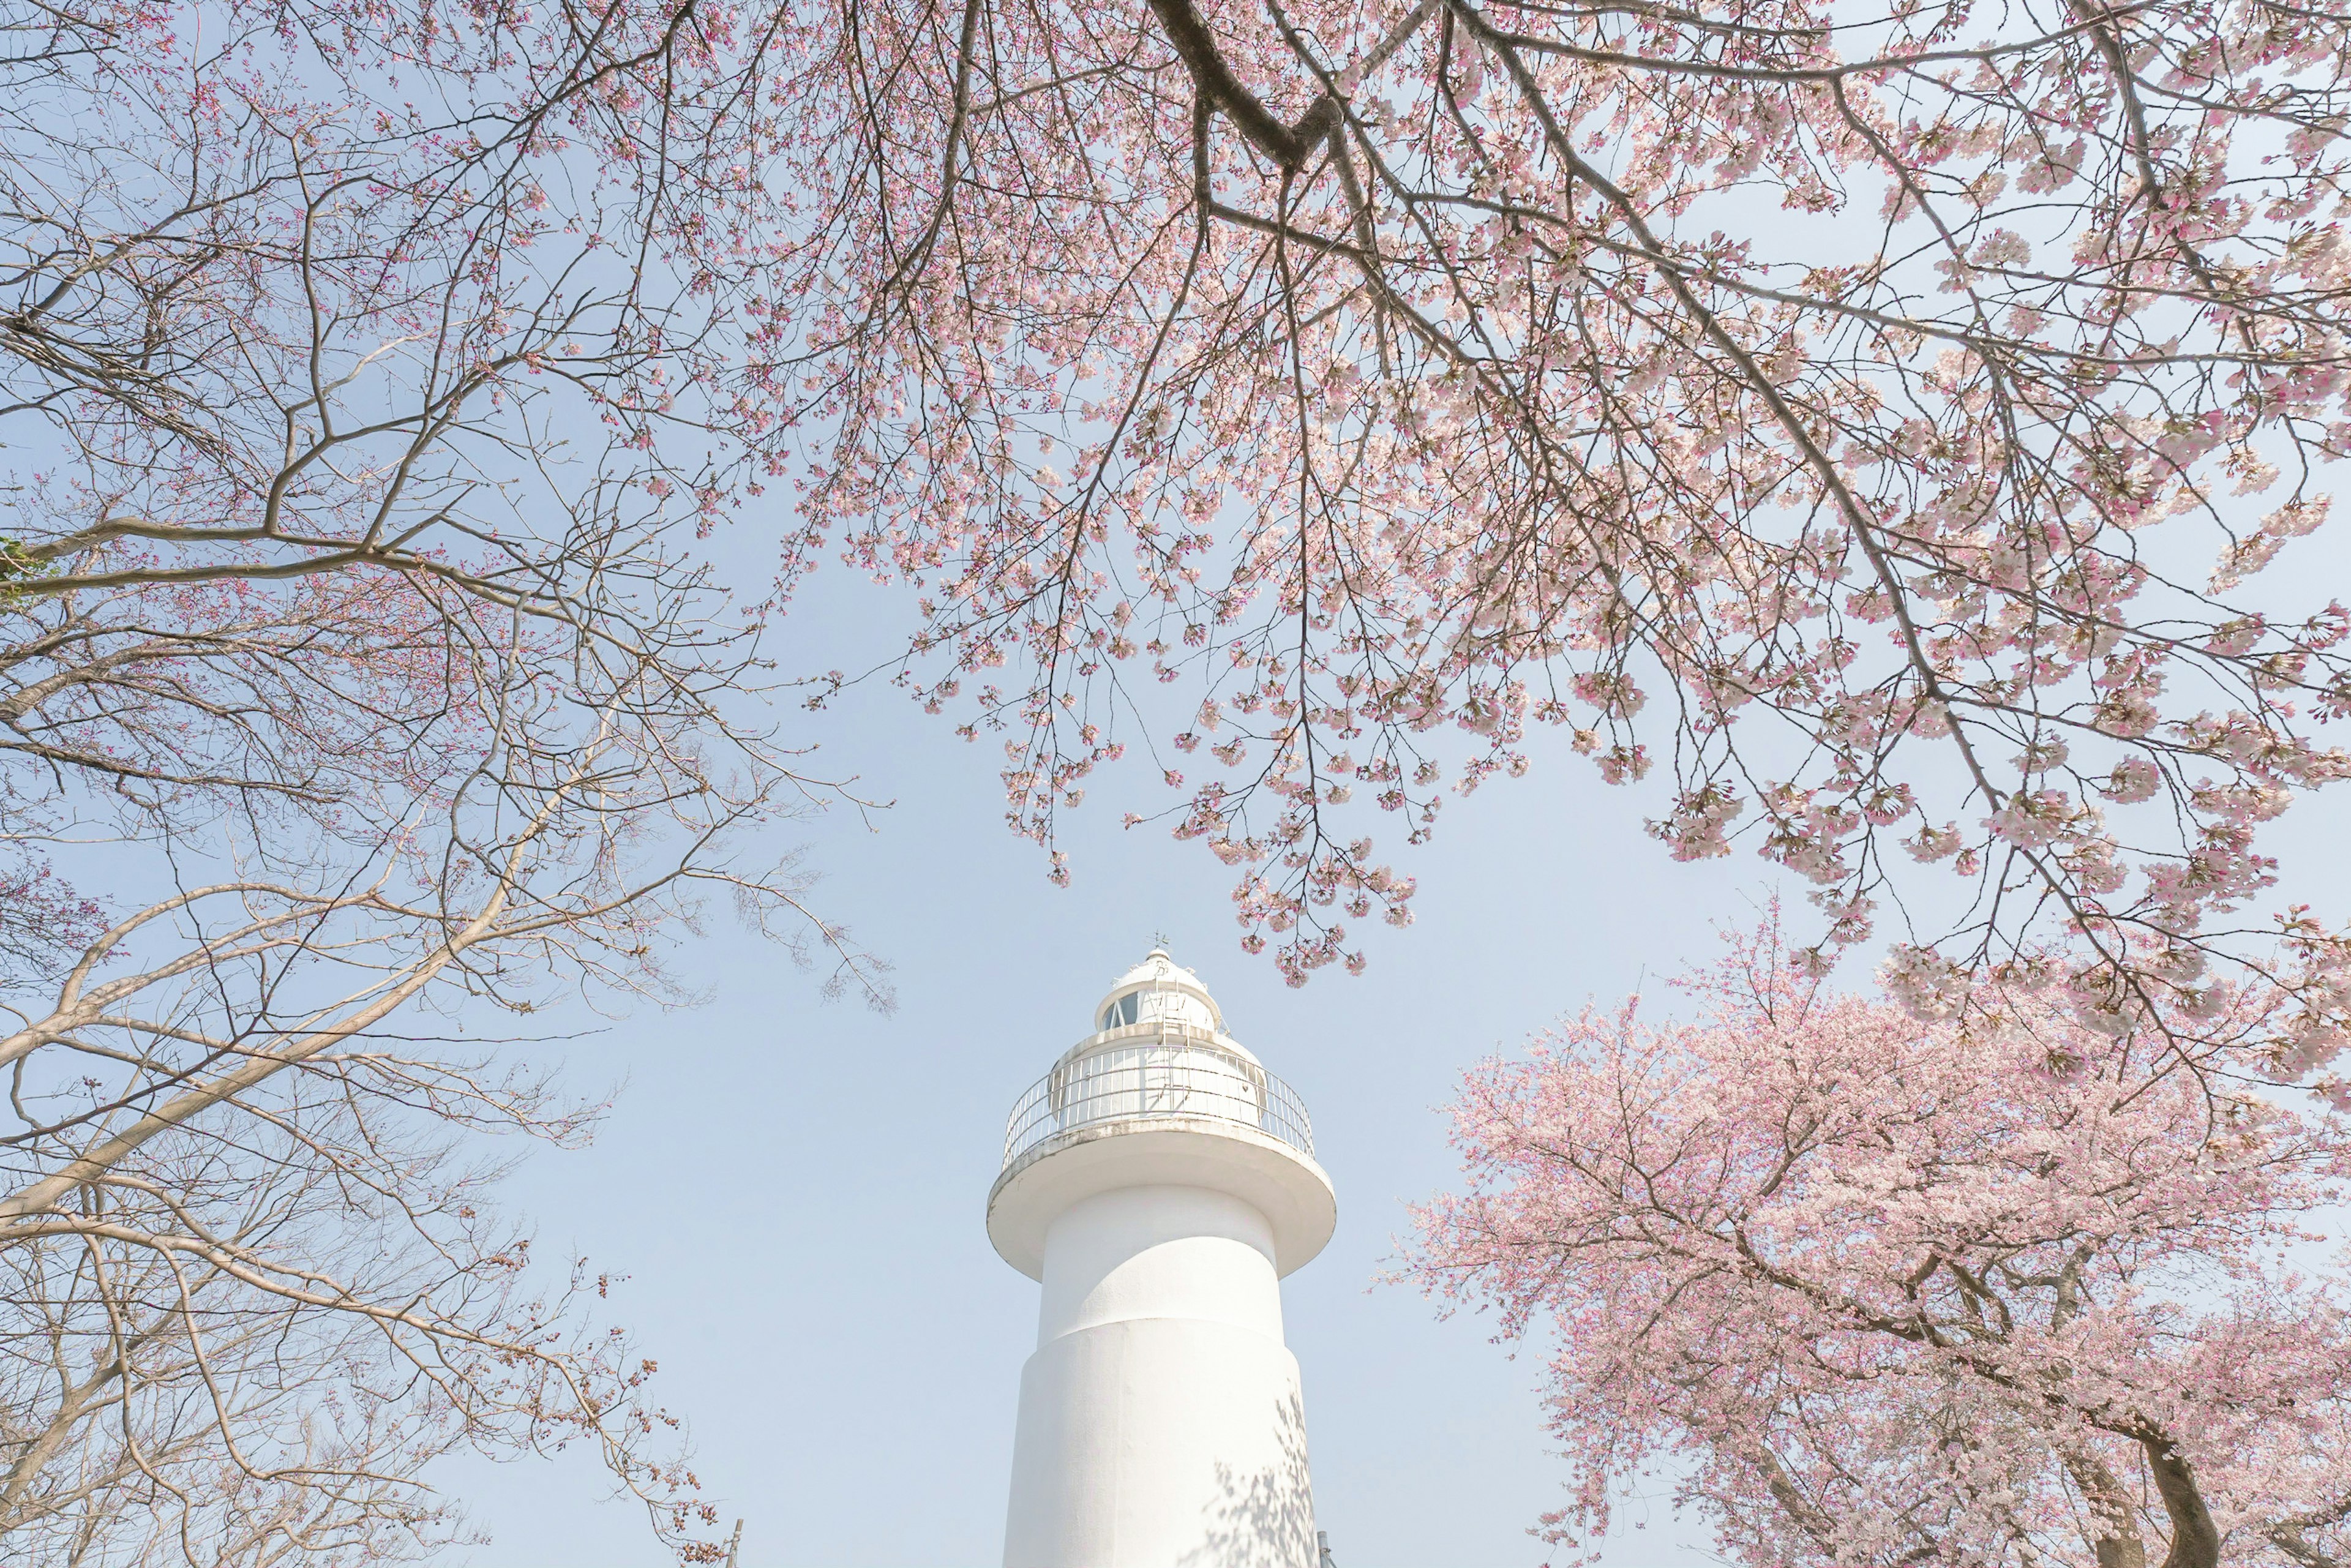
pixel 1158 989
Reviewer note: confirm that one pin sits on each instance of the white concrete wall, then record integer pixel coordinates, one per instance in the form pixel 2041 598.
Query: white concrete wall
pixel 1160 1424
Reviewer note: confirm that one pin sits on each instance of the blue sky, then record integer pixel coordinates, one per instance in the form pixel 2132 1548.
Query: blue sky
pixel 796 1189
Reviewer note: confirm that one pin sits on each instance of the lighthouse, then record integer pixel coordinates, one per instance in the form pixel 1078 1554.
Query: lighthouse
pixel 1159 1182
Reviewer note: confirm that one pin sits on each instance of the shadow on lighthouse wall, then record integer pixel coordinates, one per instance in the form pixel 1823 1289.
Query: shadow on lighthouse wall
pixel 1263 1518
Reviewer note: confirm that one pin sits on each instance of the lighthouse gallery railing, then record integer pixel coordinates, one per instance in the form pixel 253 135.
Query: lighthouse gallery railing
pixel 1148 1071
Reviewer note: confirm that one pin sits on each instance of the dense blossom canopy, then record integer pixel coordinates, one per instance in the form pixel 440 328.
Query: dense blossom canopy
pixel 1888 419
pixel 1882 417
pixel 1876 1293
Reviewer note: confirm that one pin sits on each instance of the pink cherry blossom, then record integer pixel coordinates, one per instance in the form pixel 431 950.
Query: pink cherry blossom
pixel 1889 420
pixel 1879 1291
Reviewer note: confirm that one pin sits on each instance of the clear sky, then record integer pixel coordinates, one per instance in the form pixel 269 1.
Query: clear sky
pixel 796 1189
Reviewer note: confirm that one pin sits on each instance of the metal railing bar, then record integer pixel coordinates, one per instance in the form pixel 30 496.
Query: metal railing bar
pixel 1156 1069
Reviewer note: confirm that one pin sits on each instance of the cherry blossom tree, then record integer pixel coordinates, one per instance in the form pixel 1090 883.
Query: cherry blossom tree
pixel 362 690
pixel 1877 1292
pixel 1884 417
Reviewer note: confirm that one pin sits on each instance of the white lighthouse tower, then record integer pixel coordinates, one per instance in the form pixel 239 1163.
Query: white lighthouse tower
pixel 1160 1182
